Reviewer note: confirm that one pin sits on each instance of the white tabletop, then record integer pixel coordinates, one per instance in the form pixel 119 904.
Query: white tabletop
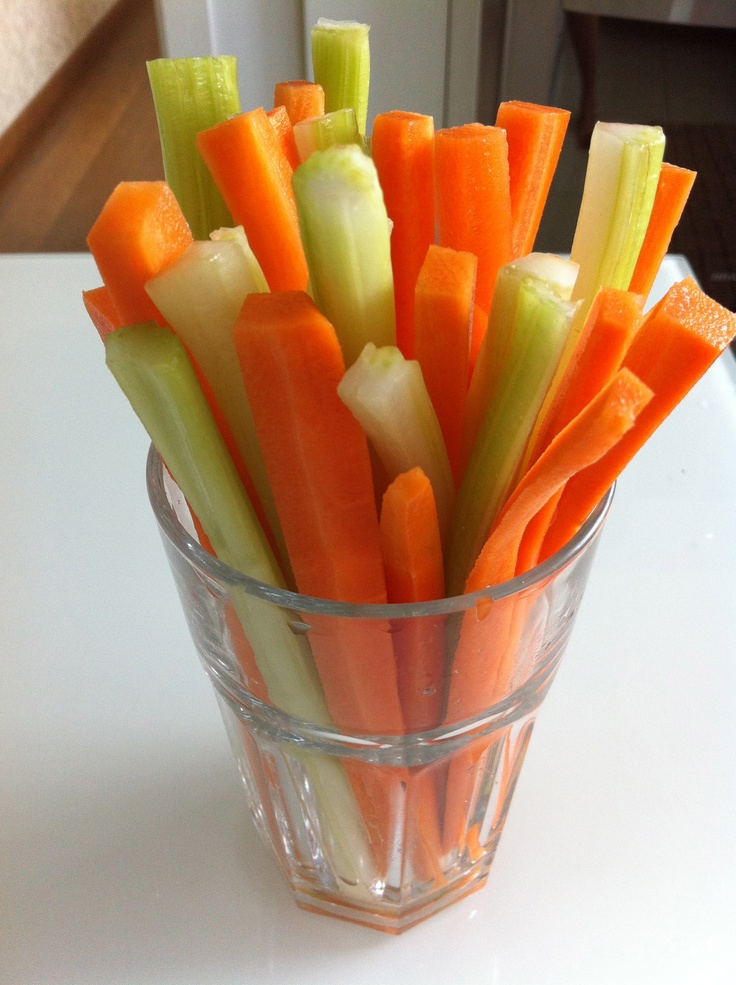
pixel 127 855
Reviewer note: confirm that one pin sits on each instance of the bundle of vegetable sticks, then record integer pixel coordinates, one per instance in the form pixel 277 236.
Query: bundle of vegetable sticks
pixel 367 385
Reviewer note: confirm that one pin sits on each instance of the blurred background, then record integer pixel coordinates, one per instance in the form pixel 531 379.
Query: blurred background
pixel 76 114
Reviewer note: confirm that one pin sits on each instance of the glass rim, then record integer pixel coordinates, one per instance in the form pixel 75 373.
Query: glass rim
pixel 213 568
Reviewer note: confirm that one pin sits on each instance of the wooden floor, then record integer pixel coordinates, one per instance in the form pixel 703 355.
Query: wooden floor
pixel 103 131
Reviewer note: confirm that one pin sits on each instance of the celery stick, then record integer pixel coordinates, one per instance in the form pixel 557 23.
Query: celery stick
pixel 341 65
pixel 236 234
pixel 320 132
pixel 154 371
pixel 541 322
pixel 200 295
pixel 346 237
pixel 189 95
pixel 620 184
pixel 387 395
pixel 559 275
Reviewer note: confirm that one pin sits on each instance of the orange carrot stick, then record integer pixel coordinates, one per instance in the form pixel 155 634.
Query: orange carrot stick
pixel 473 199
pixel 292 362
pixel 139 231
pixel 678 341
pixel 253 174
pixel 485 653
pixel 599 426
pixel 285 132
pixel 535 135
pixel 609 328
pixel 673 190
pixel 412 554
pixel 98 305
pixel 402 146
pixel 300 98
pixel 443 320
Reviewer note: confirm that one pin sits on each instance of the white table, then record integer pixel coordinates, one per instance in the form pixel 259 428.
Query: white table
pixel 126 853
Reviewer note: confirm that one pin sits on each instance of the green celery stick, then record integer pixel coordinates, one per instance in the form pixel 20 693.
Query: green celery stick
pixel 320 132
pixel 559 275
pixel 341 65
pixel 387 395
pixel 346 235
pixel 153 370
pixel 620 183
pixel 200 295
pixel 541 323
pixel 189 95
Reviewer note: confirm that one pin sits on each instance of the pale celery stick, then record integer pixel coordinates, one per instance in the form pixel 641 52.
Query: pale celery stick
pixel 387 395
pixel 559 275
pixel 153 370
pixel 200 295
pixel 346 237
pixel 341 65
pixel 620 183
pixel 189 95
pixel 236 234
pixel 320 132
pixel 541 325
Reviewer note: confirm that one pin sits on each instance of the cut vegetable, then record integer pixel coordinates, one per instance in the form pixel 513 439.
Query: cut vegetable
pixel 189 95
pixel 345 231
pixel 444 306
pixel 620 185
pixel 473 199
pixel 535 135
pixel 494 346
pixel 284 130
pixel 98 305
pixel 341 65
pixel 412 552
pixel 402 146
pixel 678 341
pixel 387 395
pixel 138 233
pixel 292 363
pixel 251 170
pixel 673 190
pixel 300 98
pixel 201 294
pixel 541 326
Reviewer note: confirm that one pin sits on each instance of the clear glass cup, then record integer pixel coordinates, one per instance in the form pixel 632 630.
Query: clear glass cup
pixel 382 830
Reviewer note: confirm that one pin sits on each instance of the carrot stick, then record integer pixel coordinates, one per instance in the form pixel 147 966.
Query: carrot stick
pixel 597 428
pixel 301 99
pixel 535 135
pixel 673 190
pixel 412 554
pixel 444 313
pixel 284 130
pixel 484 658
pixel 402 147
pixel 139 231
pixel 292 362
pixel 473 198
pixel 98 305
pixel 678 341
pixel 254 176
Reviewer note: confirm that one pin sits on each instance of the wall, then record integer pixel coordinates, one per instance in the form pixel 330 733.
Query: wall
pixel 36 38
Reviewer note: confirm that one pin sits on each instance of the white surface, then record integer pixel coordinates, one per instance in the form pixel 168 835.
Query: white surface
pixel 126 854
